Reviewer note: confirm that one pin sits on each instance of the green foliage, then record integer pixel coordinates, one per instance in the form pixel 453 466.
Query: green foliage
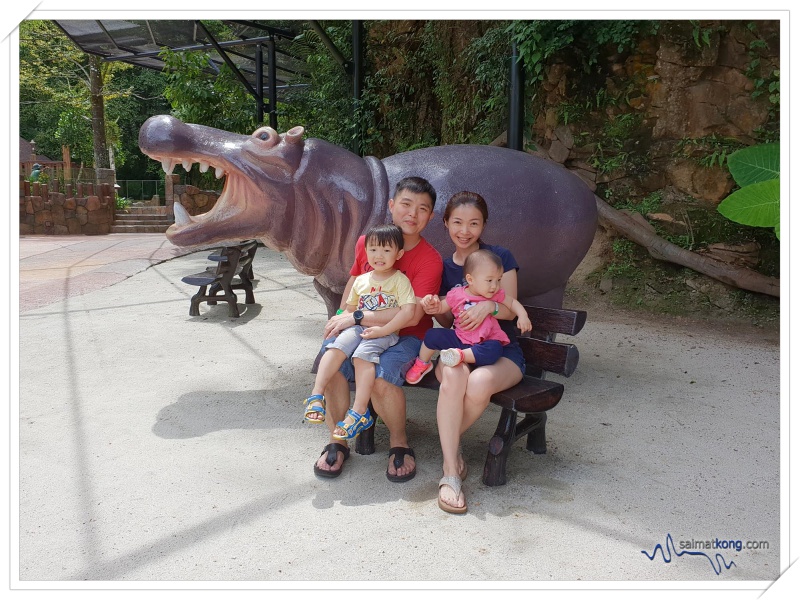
pixel 623 264
pixel 708 151
pixel 701 33
pixel 757 170
pixel 325 108
pixel 197 95
pixel 611 142
pixel 55 90
pixel 541 41
pixel 122 203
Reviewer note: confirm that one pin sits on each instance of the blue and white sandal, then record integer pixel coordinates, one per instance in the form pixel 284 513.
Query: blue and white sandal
pixel 359 424
pixel 315 404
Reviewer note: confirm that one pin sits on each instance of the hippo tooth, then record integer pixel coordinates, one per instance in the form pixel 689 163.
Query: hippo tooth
pixel 187 164
pixel 168 164
pixel 219 172
pixel 203 166
pixel 181 216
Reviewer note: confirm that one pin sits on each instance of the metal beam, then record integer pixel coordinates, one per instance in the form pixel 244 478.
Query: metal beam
pixel 516 100
pixel 228 61
pixel 273 84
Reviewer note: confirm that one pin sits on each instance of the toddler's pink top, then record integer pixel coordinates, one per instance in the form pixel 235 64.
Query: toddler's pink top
pixel 458 300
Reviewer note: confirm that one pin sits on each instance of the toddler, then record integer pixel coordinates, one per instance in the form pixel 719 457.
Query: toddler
pixel 383 287
pixel 483 345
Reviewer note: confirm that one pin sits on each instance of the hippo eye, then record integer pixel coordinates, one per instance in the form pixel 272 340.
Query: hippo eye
pixel 263 135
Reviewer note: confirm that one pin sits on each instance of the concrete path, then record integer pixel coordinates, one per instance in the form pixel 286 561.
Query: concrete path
pixel 155 446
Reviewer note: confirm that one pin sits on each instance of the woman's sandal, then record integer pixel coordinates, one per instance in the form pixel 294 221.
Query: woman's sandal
pixel 359 424
pixel 315 404
pixel 455 483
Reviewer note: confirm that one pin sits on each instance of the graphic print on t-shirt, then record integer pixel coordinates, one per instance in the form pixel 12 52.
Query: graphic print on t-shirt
pixel 377 299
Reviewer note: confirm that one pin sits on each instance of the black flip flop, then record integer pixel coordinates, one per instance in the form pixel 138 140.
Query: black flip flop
pixel 400 458
pixel 332 449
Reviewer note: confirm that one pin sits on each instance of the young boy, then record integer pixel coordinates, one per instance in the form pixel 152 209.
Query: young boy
pixel 383 287
pixel 483 271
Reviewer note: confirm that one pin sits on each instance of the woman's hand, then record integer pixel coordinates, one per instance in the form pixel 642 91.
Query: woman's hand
pixel 474 315
pixel 338 323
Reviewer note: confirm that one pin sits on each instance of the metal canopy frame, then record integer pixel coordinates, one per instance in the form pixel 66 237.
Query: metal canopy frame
pixel 266 78
pixel 140 42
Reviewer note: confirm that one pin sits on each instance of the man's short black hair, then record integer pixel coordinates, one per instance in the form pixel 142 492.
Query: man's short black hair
pixel 385 235
pixel 418 185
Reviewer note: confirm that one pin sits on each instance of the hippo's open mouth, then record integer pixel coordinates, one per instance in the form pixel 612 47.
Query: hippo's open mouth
pixel 209 228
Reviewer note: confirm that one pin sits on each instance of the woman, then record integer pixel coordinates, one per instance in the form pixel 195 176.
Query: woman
pixel 464 392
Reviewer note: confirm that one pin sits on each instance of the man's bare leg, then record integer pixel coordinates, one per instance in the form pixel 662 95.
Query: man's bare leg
pixel 337 401
pixel 389 402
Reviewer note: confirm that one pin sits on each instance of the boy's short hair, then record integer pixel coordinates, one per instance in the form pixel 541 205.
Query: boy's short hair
pixel 480 257
pixel 385 235
pixel 418 185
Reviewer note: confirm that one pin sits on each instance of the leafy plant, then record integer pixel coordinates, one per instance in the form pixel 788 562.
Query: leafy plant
pixel 757 171
pixel 122 203
pixel 708 151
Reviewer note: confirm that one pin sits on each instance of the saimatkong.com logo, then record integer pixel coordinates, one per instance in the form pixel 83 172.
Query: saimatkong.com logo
pixel 705 548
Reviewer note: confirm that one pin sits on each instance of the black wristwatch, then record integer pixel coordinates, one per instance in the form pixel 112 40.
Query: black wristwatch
pixel 358 315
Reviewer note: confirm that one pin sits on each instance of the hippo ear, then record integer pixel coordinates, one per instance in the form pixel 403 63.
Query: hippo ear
pixel 295 135
pixel 267 136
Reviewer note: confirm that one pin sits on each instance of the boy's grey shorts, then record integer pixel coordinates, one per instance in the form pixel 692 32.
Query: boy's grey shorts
pixel 353 345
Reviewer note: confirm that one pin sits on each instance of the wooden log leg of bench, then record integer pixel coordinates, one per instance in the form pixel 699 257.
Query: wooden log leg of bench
pixel 247 286
pixel 536 442
pixel 230 298
pixel 213 291
pixel 494 470
pixel 365 442
pixel 194 307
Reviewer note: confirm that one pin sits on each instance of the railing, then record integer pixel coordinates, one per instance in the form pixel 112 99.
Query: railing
pixel 142 189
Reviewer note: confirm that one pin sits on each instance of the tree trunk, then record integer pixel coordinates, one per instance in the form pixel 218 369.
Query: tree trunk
pixel 661 249
pixel 98 115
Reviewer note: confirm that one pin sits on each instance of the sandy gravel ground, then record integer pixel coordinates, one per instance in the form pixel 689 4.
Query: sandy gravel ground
pixel 155 446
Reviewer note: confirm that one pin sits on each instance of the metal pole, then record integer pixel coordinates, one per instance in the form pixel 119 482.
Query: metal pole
pixel 358 82
pixel 516 102
pixel 273 84
pixel 260 85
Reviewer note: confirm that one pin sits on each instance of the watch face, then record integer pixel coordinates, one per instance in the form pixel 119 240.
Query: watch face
pixel 358 315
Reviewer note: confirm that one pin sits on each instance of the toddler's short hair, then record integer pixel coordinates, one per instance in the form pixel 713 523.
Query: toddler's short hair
pixel 480 257
pixel 385 235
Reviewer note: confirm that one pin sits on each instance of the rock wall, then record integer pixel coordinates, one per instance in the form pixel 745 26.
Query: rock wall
pixel 88 209
pixel 193 199
pixel 689 97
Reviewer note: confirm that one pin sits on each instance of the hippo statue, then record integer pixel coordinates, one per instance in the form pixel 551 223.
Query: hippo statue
pixel 311 200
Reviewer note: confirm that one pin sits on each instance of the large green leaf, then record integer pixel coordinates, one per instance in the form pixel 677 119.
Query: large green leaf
pixel 755 164
pixel 757 204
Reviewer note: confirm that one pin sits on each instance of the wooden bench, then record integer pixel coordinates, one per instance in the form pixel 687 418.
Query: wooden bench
pixel 231 261
pixel 533 396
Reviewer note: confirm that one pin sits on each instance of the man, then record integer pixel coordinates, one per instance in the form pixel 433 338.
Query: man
pixel 411 208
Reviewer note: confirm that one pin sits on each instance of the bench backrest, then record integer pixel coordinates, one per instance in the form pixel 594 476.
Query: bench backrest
pixel 542 353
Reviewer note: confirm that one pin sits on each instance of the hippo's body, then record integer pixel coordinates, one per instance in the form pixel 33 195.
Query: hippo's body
pixel 311 200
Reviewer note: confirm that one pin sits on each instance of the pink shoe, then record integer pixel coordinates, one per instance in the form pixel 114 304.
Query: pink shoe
pixel 417 371
pixel 452 357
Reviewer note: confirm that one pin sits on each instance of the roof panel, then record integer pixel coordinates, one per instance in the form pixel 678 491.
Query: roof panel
pixel 139 42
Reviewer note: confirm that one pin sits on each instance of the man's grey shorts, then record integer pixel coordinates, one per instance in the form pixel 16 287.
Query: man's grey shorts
pixel 392 363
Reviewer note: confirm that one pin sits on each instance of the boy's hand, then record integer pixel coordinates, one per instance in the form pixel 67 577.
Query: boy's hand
pixel 431 304
pixel 524 324
pixel 370 333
